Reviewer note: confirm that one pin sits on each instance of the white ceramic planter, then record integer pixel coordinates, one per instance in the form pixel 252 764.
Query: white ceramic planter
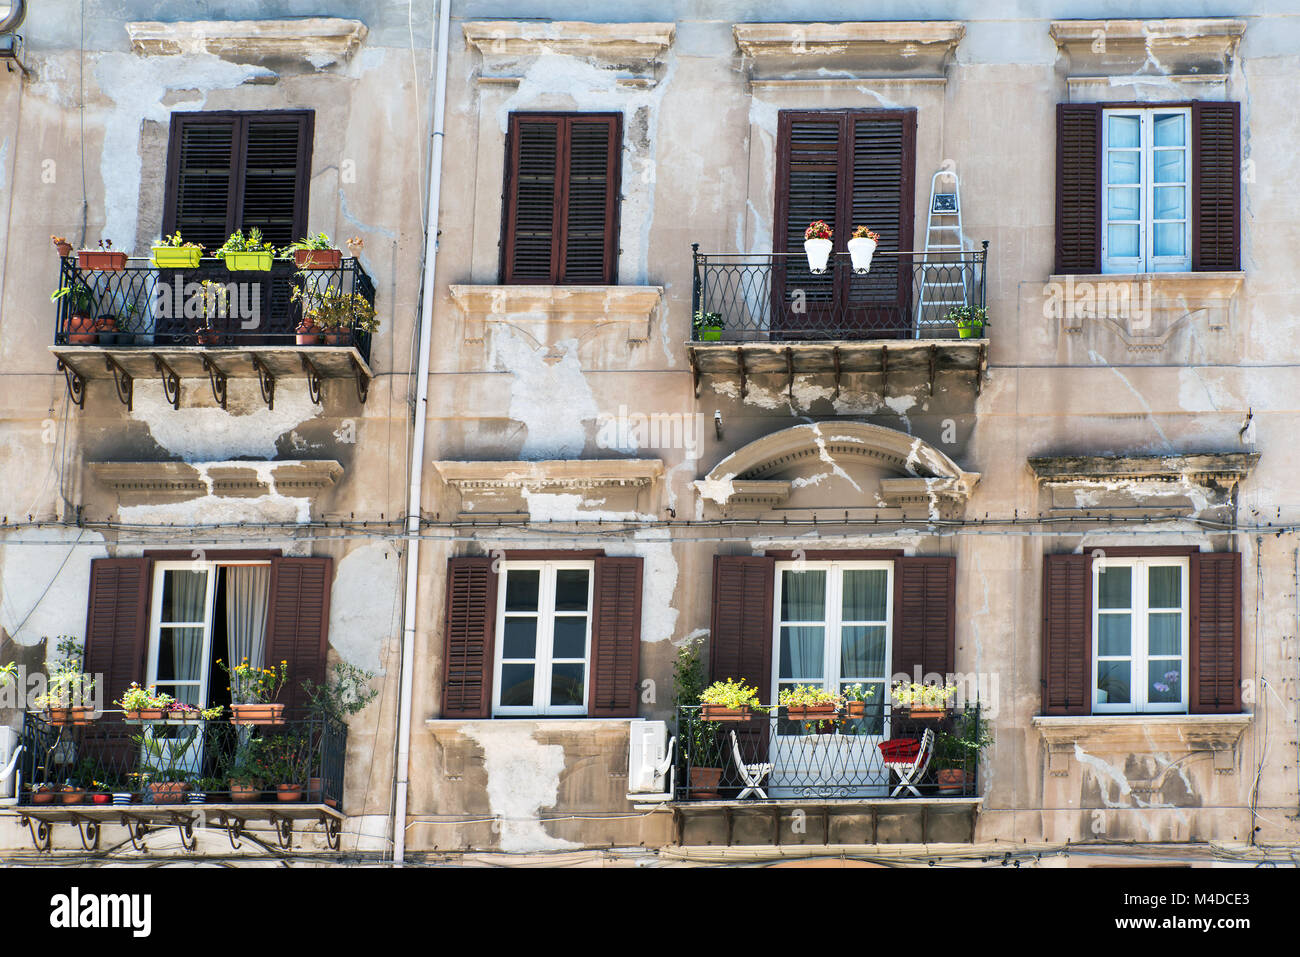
pixel 818 252
pixel 861 250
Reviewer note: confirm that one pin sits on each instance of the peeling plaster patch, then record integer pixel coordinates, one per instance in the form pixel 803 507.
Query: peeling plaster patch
pixel 523 776
pixel 1104 772
pixel 1090 493
pixel 206 434
pixel 568 507
pixel 549 395
pixel 861 403
pixel 362 604
pixel 223 510
pixel 716 490
pixel 824 454
pixel 658 581
pixel 764 115
pixel 899 405
pixel 26 571
pixel 137 86
pixel 697 633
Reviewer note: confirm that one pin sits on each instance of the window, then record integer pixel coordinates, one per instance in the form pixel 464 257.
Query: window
pixel 1148 189
pixel 833 625
pixel 1141 624
pixel 561 199
pixel 228 171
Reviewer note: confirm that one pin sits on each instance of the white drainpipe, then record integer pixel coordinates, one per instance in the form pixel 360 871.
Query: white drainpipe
pixel 443 39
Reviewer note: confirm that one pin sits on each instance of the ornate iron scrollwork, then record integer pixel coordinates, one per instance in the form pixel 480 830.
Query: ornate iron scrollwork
pixel 122 380
pixel 76 384
pixel 218 380
pixel 170 380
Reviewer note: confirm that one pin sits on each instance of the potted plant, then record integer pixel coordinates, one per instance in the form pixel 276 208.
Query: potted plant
pixel 924 702
pixel 81 312
pixel 708 326
pixel 253 692
pixel 337 315
pixel 697 738
pixel 143 704
pixel 861 248
pixel 856 697
pixel 246 254
pixel 970 321
pixel 957 752
pixel 318 252
pixel 67 698
pixel 105 258
pixel 183 714
pixel 246 772
pixel 62 245
pixel 308 333
pixel 45 793
pixel 345 692
pixel 728 700
pixel 173 252
pixel 206 789
pixel 215 295
pixel 817 245
pixel 808 703
pixel 169 792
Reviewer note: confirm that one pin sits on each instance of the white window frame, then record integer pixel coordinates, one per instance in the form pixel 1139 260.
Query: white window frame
pixel 834 622
pixel 156 624
pixel 543 662
pixel 1146 261
pixel 1139 638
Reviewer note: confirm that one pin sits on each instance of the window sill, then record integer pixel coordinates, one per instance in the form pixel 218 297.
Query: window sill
pixel 549 313
pixel 1141 733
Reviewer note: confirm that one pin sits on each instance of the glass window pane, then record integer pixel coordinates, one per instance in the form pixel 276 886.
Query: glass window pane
pixel 1170 129
pixel 517 686
pixel 180 654
pixel 1114 587
pixel 1165 586
pixel 1123 242
pixel 570 637
pixel 567 683
pixel 1124 203
pixel 571 589
pixel 184 595
pixel 1165 633
pixel 1171 202
pixel 803 595
pixel 1166 682
pixel 865 594
pixel 519 639
pixel 1170 166
pixel 1113 682
pixel 1123 169
pixel 862 651
pixel 1114 635
pixel 521 589
pixel 801 652
pixel 1124 130
pixel 185 694
pixel 1171 239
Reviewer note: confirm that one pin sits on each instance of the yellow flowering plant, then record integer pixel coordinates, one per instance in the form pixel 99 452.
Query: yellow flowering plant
pixel 253 685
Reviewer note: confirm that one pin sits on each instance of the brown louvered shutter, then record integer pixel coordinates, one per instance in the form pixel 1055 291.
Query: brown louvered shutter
pixel 925 592
pixel 1216 189
pixel 117 623
pixel 1067 634
pixel 615 638
pixel 561 199
pixel 469 627
pixel 1215 627
pixel 741 633
pixel 228 171
pixel 1078 188
pixel 298 624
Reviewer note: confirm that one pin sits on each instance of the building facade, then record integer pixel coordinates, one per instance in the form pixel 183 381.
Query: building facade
pixel 1032 450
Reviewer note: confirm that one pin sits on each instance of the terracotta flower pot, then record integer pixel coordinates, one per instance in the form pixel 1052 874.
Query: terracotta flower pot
pixel 338 337
pixel 315 788
pixel 69 716
pixel 65 249
pixel 288 792
pixel 168 792
pixel 704 784
pixel 257 714
pixel 99 259
pixel 309 338
pixel 144 714
pixel 208 337
pixel 856 709
pixel 716 712
pixel 81 330
pixel 951 780
pixel 811 712
pixel 318 258
pixel 72 795
pixel 925 714
pixel 244 793
pixel 44 796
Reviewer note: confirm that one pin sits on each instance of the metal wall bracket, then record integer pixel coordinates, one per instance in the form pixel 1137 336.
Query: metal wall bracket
pixel 234 829
pixel 40 831
pixel 313 379
pixel 283 831
pixel 333 827
pixel 122 381
pixel 136 830
pixel 835 355
pixel 218 380
pixel 170 380
pixel 363 380
pixel 76 384
pixel 884 370
pixel 695 371
pixel 934 356
pixel 789 373
pixel 185 827
pixel 980 369
pixel 740 361
pixel 267 383
pixel 88 831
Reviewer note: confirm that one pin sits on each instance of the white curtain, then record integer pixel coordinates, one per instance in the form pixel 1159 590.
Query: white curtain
pixel 188 592
pixel 247 590
pixel 803 598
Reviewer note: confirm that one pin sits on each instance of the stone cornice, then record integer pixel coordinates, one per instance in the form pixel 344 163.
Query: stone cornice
pixel 141 482
pixel 534 309
pixel 318 39
pixel 561 474
pixel 612 42
pixel 920 47
pixel 1141 734
pixel 1201 468
pixel 1179 48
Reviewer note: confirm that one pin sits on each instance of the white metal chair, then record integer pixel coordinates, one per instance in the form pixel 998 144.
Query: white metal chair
pixel 910 771
pixel 751 774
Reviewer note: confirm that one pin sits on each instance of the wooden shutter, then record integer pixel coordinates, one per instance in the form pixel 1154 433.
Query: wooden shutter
pixel 298 624
pixel 741 633
pixel 1215 628
pixel 561 199
pixel 1067 634
pixel 117 623
pixel 1216 189
pixel 469 628
pixel 228 171
pixel 1078 188
pixel 925 592
pixel 615 638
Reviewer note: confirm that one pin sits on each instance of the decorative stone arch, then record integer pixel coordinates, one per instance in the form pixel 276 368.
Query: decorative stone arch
pixel 924 482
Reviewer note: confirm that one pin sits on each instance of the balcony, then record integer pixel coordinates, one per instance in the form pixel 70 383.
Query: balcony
pixel 146 775
pixel 167 323
pixel 777 317
pixel 746 781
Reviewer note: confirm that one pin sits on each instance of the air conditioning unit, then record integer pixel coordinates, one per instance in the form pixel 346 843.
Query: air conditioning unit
pixel 10 777
pixel 649 761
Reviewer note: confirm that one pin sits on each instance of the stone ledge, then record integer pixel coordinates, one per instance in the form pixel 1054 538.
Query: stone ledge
pixel 887 47
pixel 151 482
pixel 1178 48
pixel 1217 733
pixel 536 308
pixel 1143 309
pixel 1203 467
pixel 318 39
pixel 615 42
pixel 554 474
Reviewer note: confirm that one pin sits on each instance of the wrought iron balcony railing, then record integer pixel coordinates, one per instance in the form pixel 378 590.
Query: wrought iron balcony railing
pixel 145 307
pixel 878 755
pixel 776 297
pixel 112 762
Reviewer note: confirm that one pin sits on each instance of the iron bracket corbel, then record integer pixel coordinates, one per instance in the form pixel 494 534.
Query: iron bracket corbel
pixel 76 384
pixel 267 383
pixel 122 381
pixel 170 380
pixel 363 380
pixel 218 380
pixel 313 379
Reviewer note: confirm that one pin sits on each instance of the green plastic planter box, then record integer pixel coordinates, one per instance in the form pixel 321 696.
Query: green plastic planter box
pixel 970 329
pixel 710 333
pixel 176 257
pixel 249 261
